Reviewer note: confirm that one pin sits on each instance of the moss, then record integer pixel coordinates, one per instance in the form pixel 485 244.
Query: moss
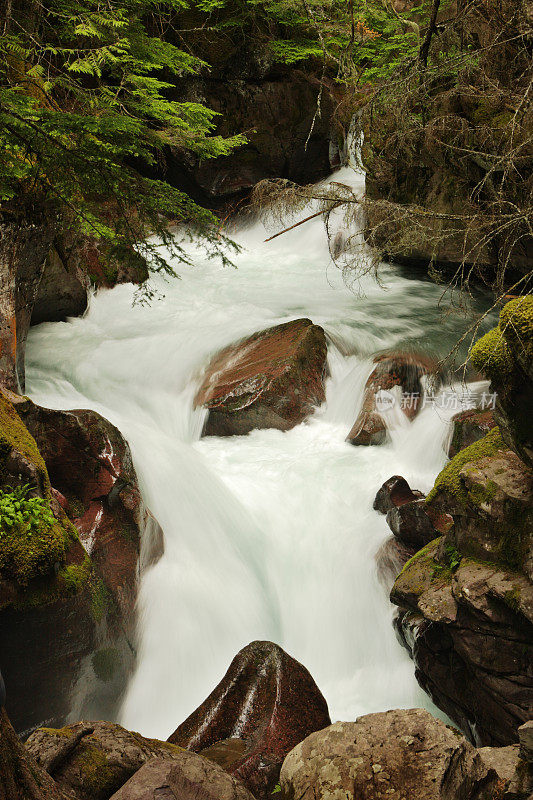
pixel 512 598
pixel 76 576
pixel 491 355
pixel 449 480
pixel 15 436
pixel 101 600
pixel 92 764
pixel 482 495
pixel 516 321
pixel 106 662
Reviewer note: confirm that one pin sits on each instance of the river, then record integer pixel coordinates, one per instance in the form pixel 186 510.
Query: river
pixel 272 535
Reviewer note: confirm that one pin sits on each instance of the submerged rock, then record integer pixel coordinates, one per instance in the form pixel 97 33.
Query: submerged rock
pixel 270 702
pixel 401 754
pixel 394 381
pixel 273 379
pixel 188 777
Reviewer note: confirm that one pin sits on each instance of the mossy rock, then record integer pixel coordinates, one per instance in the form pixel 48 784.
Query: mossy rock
pixel 449 479
pixel 16 439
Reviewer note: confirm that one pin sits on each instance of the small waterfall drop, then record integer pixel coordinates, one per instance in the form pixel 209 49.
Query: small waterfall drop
pixel 272 535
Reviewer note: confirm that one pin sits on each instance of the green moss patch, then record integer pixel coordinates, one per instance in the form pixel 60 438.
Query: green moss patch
pixel 32 541
pixel 106 663
pixel 516 321
pixel 15 436
pixel 491 356
pixel 449 480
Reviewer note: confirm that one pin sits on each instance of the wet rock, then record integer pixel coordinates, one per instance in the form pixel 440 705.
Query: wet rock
pixel 189 777
pixel 394 381
pixel 469 427
pixel 397 755
pixel 390 559
pixel 469 629
pixel 395 492
pixel 411 524
pixel 273 379
pixel 93 760
pixel 74 626
pixel 266 699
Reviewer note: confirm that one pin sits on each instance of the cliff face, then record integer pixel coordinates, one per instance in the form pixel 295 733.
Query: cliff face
pixel 454 151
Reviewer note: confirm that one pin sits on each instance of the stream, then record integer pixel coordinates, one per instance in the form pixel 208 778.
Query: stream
pixel 272 535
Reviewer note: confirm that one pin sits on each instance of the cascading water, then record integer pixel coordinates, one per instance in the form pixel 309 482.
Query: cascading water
pixel 272 535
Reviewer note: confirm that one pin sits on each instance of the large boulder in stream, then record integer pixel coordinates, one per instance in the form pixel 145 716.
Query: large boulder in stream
pixel 266 704
pixel 466 599
pixel 273 379
pixel 401 755
pixel 67 597
pixel 396 380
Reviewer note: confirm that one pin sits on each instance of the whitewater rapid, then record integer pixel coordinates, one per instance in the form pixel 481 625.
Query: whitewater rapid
pixel 271 535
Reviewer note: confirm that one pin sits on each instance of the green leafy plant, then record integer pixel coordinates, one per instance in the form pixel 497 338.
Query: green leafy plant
pixel 32 541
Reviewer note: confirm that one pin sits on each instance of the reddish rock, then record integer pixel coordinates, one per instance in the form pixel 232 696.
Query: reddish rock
pixel 395 492
pixel 401 372
pixel 266 699
pixel 80 619
pixel 469 427
pixel 273 379
pixel 390 559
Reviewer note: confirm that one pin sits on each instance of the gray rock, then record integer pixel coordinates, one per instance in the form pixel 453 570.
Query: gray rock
pixel 400 755
pixel 189 777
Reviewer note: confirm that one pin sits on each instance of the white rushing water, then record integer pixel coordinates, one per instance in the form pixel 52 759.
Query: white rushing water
pixel 272 535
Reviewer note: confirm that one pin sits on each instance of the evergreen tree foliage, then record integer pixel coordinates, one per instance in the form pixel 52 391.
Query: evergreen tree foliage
pixel 86 110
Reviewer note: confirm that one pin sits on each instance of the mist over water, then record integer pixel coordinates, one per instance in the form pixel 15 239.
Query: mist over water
pixel 272 535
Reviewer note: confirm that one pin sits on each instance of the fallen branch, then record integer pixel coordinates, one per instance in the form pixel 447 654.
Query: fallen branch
pixel 296 224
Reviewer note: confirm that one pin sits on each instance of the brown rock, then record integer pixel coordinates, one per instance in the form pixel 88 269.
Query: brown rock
pixel 468 427
pixel 273 379
pixel 395 492
pixel 411 524
pixel 268 700
pixel 471 638
pixel 189 777
pixel 102 759
pixel 397 755
pixel 401 371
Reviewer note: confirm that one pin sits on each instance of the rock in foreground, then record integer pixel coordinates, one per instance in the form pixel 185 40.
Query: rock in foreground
pixel 273 379
pixel 190 777
pixel 397 755
pixel 268 702
pixel 94 759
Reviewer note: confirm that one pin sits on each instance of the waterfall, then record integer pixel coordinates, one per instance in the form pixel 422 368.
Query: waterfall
pixel 271 535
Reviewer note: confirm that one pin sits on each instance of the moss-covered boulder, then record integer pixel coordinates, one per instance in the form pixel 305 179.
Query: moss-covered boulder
pixel 70 554
pixel 505 355
pixel 273 379
pixel 94 759
pixel 466 600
